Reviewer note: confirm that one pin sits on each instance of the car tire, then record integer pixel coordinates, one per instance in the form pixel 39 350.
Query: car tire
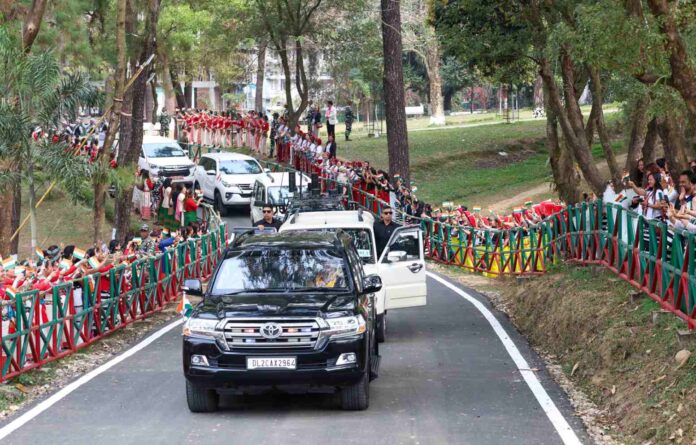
pixel 219 205
pixel 201 400
pixel 357 397
pixel 382 327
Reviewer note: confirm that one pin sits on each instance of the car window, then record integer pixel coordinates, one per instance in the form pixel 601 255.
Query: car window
pixel 362 240
pixel 356 267
pixel 163 150
pixel 240 167
pixel 281 269
pixel 259 193
pixel 407 242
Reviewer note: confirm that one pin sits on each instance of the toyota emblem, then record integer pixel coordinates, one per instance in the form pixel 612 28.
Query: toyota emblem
pixel 271 331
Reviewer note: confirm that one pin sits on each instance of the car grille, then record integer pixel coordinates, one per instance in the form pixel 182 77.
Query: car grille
pixel 245 187
pixel 174 171
pixel 295 333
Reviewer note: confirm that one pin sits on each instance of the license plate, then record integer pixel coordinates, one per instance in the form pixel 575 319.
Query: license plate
pixel 272 363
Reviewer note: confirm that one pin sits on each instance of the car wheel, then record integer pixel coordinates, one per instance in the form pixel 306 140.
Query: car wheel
pixel 356 397
pixel 381 328
pixel 201 400
pixel 219 204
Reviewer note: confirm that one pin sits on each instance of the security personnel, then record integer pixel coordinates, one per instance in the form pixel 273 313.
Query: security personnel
pixel 164 121
pixel 349 120
pixel 268 220
pixel 383 229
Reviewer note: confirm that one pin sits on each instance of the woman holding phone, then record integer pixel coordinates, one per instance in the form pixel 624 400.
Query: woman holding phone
pixel 653 197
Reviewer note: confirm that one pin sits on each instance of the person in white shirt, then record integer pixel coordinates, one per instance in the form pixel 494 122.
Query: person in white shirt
pixel 331 119
pixel 653 196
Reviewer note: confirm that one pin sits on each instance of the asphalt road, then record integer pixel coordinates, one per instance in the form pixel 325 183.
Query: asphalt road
pixel 445 378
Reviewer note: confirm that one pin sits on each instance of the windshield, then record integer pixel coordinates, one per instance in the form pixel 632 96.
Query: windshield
pixel 163 150
pixel 281 269
pixel 280 195
pixel 240 167
pixel 362 240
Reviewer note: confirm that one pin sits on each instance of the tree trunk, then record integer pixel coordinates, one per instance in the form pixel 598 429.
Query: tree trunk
pixel 155 105
pixel 16 213
pixel 32 23
pixel 170 95
pixel 448 99
pixel 99 180
pixel 260 72
pixel 395 104
pixel 561 159
pixel 672 136
pixel 636 138
pixel 571 120
pixel 437 113
pixel 181 100
pixel 32 207
pixel 597 101
pixel 129 158
pixel 188 95
pixel 683 77
pixel 650 143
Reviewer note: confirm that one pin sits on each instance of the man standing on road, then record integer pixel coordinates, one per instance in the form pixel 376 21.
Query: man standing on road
pixel 383 229
pixel 349 120
pixel 267 221
pixel 164 121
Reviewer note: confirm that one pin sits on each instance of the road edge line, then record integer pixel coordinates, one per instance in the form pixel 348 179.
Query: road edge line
pixel 554 415
pixel 63 392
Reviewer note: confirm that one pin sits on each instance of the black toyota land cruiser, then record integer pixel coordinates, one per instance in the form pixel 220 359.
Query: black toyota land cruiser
pixel 289 312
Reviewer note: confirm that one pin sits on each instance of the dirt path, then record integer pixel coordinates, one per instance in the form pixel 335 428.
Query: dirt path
pixel 543 190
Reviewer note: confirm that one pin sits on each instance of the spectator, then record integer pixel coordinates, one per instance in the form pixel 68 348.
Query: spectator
pixel 652 198
pixel 331 119
pixel 331 147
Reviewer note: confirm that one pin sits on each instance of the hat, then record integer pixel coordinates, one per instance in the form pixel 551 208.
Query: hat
pixel 144 228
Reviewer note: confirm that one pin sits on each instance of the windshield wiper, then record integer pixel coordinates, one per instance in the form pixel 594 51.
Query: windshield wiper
pixel 317 289
pixel 250 291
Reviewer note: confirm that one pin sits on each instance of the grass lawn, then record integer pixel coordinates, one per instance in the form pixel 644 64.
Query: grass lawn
pixel 463 165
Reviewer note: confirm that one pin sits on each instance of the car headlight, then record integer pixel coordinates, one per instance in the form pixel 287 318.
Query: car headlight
pixel 202 327
pixel 152 166
pixel 232 188
pixel 345 326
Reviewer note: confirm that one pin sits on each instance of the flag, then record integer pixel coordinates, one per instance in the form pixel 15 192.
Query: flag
pixel 620 198
pixel 516 210
pixel 64 264
pixel 184 307
pixel 165 231
pixel 11 292
pixel 39 254
pixel 93 262
pixel 528 203
pixel 137 240
pixel 9 263
pixel 477 209
pixel 79 254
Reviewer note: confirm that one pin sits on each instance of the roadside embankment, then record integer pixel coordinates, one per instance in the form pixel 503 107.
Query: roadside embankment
pixel 617 351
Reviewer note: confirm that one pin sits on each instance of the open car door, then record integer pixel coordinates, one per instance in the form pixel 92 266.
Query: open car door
pixel 402 269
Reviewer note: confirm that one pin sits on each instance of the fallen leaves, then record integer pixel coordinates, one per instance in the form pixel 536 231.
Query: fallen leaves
pixel 682 357
pixel 575 368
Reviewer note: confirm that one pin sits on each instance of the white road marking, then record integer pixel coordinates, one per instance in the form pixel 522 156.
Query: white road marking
pixel 55 398
pixel 552 412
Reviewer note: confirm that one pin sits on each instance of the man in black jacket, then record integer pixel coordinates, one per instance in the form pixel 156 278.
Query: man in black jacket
pixel 383 229
pixel 267 220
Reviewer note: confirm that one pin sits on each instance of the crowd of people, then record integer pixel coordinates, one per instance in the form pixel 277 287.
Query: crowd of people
pixel 62 264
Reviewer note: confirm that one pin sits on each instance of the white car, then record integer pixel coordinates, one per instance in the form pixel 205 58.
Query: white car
pixel 401 266
pixel 274 189
pixel 227 179
pixel 164 158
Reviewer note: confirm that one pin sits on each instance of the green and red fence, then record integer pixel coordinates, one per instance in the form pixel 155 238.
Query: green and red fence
pixel 73 315
pixel 654 258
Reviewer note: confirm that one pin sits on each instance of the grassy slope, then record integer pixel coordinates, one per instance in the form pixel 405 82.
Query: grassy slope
pixel 625 363
pixel 463 164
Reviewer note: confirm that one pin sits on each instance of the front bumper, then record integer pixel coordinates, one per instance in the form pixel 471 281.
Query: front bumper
pixel 235 199
pixel 316 369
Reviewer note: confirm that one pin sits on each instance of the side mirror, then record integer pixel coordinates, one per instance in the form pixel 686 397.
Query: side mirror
pixel 210 172
pixel 193 286
pixel 396 256
pixel 372 284
pixel 266 170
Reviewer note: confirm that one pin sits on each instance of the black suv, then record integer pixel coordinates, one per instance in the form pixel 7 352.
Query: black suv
pixel 290 312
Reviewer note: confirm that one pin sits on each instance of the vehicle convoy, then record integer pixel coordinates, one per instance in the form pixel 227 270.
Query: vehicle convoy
pixel 164 158
pixel 401 265
pixel 275 189
pixel 227 179
pixel 290 312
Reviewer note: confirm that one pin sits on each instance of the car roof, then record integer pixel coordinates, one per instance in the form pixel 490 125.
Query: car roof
pixel 294 240
pixel 158 140
pixel 339 219
pixel 228 156
pixel 283 178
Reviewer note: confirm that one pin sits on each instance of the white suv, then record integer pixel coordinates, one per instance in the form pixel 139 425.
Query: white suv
pixel 274 189
pixel 164 158
pixel 227 179
pixel 401 265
